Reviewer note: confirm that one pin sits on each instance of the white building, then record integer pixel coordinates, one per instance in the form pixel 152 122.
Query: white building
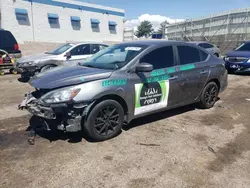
pixel 59 21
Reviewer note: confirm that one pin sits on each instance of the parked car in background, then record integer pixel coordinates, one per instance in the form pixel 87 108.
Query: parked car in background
pixel 237 60
pixel 66 54
pixel 211 48
pixel 9 51
pixel 124 82
pixel 9 44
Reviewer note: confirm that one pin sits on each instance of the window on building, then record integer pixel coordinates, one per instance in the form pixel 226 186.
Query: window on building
pixel 112 27
pixel 76 22
pixel 160 58
pixel 22 16
pixel 188 54
pixel 95 25
pixel 53 20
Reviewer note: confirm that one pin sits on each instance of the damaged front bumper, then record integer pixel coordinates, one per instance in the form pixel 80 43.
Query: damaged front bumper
pixel 62 116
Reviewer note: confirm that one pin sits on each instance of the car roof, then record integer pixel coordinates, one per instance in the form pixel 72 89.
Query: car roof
pixel 154 42
pixel 80 43
pixel 198 42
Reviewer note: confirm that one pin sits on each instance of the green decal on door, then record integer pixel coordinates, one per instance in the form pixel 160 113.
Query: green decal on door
pixel 151 96
pixel 157 78
pixel 107 83
pixel 187 67
pixel 171 70
pixel 158 72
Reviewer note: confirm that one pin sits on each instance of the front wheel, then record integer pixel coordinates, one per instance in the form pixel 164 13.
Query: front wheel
pixel 104 121
pixel 209 95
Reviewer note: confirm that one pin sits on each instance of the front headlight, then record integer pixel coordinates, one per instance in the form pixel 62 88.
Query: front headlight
pixel 60 95
pixel 226 58
pixel 26 64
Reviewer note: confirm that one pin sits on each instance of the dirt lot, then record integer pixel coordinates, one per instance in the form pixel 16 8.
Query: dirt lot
pixel 185 148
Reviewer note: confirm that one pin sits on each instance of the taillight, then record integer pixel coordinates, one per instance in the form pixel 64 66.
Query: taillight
pixel 16 47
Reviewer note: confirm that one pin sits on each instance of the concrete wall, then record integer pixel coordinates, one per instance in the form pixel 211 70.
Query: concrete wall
pixel 38 29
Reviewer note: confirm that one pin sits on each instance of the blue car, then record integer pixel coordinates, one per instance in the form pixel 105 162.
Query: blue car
pixel 237 61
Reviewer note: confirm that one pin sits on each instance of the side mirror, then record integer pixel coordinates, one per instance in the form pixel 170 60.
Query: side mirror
pixel 144 67
pixel 68 55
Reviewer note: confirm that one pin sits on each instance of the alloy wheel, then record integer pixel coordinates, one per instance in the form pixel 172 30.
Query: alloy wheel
pixel 107 120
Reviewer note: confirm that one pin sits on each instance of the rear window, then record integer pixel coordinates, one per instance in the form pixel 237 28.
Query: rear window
pixel 188 54
pixel 7 40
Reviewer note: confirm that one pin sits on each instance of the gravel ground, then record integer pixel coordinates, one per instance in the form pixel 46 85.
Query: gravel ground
pixel 185 147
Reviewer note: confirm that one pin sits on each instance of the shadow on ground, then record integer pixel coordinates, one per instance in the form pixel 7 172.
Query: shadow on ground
pixel 158 116
pixel 55 135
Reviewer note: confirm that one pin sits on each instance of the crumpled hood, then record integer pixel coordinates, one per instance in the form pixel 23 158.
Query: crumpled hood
pixel 238 54
pixel 37 57
pixel 66 76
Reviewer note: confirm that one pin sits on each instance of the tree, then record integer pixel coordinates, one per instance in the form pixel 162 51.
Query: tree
pixel 162 28
pixel 144 29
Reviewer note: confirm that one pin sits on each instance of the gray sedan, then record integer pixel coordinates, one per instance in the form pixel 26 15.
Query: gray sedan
pixel 124 82
pixel 66 54
pixel 211 48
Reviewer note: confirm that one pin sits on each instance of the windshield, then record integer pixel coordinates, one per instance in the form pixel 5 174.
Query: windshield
pixel 243 47
pixel 114 57
pixel 59 50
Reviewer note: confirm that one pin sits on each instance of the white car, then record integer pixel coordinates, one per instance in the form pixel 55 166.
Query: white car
pixel 211 48
pixel 66 54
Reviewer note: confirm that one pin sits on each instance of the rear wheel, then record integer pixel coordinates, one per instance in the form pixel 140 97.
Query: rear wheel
pixel 2 73
pixel 104 121
pixel 13 71
pixel 209 95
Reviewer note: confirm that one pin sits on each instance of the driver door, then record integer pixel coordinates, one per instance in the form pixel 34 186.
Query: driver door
pixel 158 89
pixel 80 52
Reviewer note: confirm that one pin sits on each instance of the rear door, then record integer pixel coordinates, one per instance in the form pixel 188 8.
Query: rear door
pixel 157 89
pixel 194 71
pixel 80 52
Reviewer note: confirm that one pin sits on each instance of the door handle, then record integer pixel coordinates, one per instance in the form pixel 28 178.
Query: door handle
pixel 173 78
pixel 204 72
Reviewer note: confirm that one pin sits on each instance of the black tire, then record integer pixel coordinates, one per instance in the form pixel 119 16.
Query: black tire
pixel 209 95
pixel 47 67
pixel 13 71
pixel 98 124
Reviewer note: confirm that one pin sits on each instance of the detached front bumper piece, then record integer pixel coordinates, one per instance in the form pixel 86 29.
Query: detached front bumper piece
pixel 62 116
pixel 31 70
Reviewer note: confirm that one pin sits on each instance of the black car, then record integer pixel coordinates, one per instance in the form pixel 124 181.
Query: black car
pixel 9 44
pixel 9 51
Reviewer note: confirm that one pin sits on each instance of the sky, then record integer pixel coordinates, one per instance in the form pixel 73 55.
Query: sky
pixel 157 11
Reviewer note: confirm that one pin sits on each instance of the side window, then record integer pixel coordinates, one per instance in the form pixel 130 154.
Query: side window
pixel 206 45
pixel 188 54
pixel 201 45
pixel 160 58
pixel 95 48
pixel 8 39
pixel 204 55
pixel 81 50
pixel 102 47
